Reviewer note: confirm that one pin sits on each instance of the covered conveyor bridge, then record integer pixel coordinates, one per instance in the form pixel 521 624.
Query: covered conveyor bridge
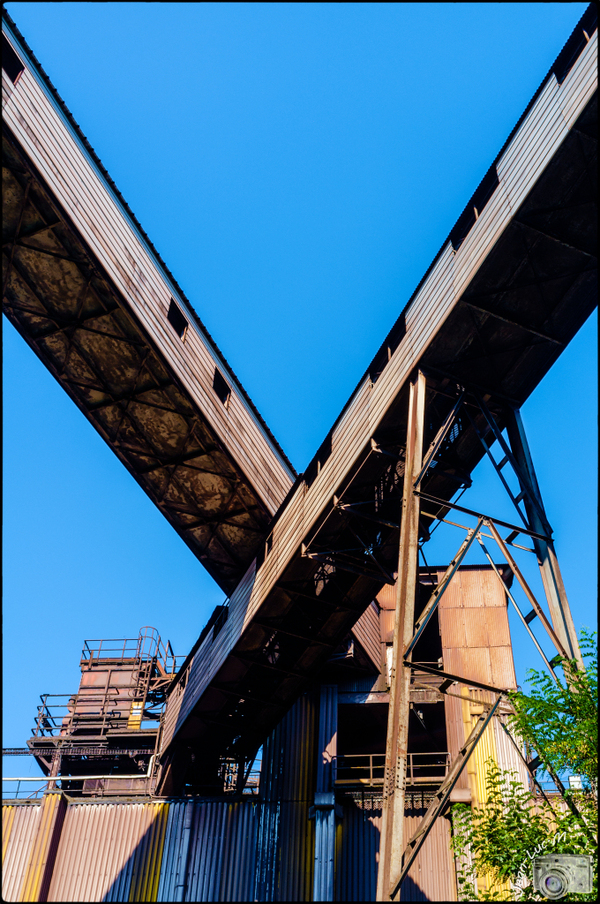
pixel 509 289
pixel 92 297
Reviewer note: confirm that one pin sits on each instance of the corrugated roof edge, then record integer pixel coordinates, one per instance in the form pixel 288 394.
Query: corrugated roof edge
pixel 589 17
pixel 12 25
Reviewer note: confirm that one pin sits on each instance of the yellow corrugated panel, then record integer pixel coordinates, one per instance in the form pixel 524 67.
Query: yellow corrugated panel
pixel 17 844
pixel 485 750
pixel 39 854
pixel 148 858
pixel 8 818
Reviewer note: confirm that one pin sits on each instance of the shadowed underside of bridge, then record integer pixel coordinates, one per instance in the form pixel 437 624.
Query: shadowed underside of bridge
pixel 510 289
pixel 73 318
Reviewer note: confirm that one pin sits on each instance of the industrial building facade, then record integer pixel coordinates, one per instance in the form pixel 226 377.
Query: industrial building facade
pixel 307 826
pixel 344 696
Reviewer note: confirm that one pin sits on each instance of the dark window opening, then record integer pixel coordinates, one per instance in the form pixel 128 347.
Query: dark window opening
pixel 220 620
pixel 216 622
pixel 472 211
pixel 177 320
pixel 221 387
pixel 11 63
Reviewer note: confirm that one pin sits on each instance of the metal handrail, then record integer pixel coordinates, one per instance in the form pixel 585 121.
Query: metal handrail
pixel 376 762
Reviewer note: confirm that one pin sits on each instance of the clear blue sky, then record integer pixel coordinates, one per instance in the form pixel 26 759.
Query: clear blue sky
pixel 298 167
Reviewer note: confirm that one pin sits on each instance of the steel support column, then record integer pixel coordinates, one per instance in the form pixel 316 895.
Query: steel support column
pixel 392 831
pixel 562 620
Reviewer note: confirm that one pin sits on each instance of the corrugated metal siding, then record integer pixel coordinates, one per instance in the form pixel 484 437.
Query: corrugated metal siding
pixel 43 848
pixel 366 630
pixel 358 851
pixel 173 871
pixel 508 758
pixel 109 852
pixel 431 877
pixel 19 828
pixel 223 852
pixel 287 786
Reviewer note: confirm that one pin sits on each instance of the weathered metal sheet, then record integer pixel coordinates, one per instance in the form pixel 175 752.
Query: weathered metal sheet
pixel 508 757
pixel 19 828
pixel 358 850
pixel 503 667
pixel 470 663
pixel 287 786
pixel 431 877
pixel 367 632
pixel 222 854
pixel 110 852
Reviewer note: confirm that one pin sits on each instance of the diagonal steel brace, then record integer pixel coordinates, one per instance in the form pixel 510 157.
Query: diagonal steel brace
pixel 442 796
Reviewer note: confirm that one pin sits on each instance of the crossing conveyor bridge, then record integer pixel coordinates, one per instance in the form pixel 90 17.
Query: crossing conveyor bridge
pixel 301 556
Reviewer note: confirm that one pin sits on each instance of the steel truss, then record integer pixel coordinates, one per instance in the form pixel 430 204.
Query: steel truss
pixel 396 857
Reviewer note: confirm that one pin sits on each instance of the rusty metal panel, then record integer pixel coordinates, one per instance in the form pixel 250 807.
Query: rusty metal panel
pixel 476 628
pixel 498 629
pixel 503 667
pixel 455 735
pixel 431 877
pixel 493 589
pixel 452 596
pixel 387 618
pixel 452 627
pixel 366 631
pixel 387 596
pixel 19 828
pixel 109 852
pixel 471 590
pixel 469 663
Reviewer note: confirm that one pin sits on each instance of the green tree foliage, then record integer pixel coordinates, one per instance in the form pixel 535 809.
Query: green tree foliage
pixel 559 723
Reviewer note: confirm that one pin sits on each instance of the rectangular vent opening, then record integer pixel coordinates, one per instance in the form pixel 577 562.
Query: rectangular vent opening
pixel 221 387
pixel 472 211
pixel 177 320
pixel 11 63
pixel 220 620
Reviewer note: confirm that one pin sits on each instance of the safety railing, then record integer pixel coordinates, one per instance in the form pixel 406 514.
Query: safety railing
pixel 32 788
pixel 20 789
pixel 86 713
pixel 146 646
pixel 368 768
